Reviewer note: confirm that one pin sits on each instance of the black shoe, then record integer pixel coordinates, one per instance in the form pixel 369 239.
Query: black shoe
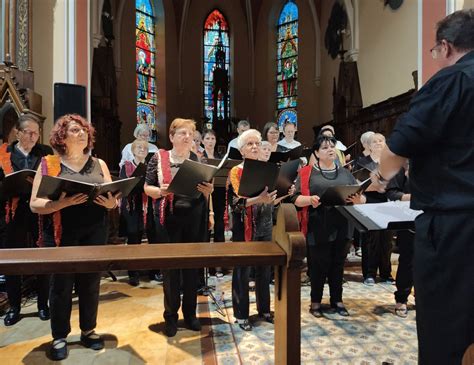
pixel 342 311
pixel 267 318
pixel 245 325
pixel 58 353
pixel 43 314
pixel 157 277
pixel 170 328
pixel 134 280
pixel 92 341
pixel 12 317
pixel 193 324
pixel 318 313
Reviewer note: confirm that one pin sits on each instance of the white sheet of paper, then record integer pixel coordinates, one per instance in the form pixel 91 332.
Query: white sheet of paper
pixel 384 213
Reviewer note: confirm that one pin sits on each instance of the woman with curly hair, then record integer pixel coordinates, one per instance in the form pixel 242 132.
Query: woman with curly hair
pixel 73 221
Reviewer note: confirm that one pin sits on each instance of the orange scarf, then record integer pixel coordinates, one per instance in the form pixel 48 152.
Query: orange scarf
pixel 305 175
pixel 6 165
pixel 235 175
pixel 51 166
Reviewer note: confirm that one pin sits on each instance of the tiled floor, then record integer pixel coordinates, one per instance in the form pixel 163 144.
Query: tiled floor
pixel 131 319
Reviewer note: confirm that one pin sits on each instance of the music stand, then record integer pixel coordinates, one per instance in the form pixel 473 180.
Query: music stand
pixel 207 290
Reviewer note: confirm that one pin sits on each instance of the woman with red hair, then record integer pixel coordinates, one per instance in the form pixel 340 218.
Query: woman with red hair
pixel 73 221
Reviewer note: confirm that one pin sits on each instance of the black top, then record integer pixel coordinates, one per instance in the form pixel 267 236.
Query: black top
pixel 437 134
pixel 83 215
pixel 324 222
pixel 398 186
pixel 372 196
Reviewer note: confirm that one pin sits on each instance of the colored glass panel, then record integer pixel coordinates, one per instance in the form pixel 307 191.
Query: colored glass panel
pixel 214 22
pixel 287 60
pixel 145 53
pixel 144 6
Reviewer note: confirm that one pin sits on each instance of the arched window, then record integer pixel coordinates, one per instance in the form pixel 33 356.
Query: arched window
pixel 287 64
pixel 145 65
pixel 216 55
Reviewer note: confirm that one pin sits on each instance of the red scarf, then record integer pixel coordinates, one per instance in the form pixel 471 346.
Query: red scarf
pixel 305 174
pixel 164 177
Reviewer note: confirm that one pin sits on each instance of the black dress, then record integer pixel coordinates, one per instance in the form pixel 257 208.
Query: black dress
pixel 376 245
pixel 326 236
pixel 22 230
pixel 82 225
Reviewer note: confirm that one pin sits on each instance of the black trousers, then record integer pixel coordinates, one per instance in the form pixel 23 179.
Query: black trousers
pixel 376 252
pixel 218 201
pixel 240 288
pixel 443 273
pixel 134 238
pixel 327 262
pixel 180 227
pixel 404 278
pixel 21 232
pixel 86 285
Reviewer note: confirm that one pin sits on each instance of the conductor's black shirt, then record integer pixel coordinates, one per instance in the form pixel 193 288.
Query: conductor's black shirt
pixel 437 135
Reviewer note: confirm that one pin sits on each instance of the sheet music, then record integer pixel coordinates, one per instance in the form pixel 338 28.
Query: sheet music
pixel 384 213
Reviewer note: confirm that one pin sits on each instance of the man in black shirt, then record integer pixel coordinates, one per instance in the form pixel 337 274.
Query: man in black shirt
pixel 437 135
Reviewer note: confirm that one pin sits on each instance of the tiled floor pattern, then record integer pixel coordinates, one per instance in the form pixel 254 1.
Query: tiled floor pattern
pixel 371 335
pixel 131 319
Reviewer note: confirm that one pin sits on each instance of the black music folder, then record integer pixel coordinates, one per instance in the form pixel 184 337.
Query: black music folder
pixel 190 174
pixel 350 148
pixel 234 154
pixel 140 170
pixel 292 154
pixel 286 177
pixel 220 178
pixel 256 175
pixel 361 174
pixel 51 187
pixel 337 195
pixel 17 183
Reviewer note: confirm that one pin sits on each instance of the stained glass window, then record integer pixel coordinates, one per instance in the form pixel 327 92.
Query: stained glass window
pixel 145 55
pixel 216 37
pixel 287 64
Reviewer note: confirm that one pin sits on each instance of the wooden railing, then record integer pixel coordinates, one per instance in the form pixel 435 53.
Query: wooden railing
pixel 286 252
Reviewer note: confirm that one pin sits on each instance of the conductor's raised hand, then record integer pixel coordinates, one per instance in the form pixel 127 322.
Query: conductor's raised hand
pixel 109 201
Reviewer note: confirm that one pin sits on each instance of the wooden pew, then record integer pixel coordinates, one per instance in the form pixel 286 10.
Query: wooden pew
pixel 286 252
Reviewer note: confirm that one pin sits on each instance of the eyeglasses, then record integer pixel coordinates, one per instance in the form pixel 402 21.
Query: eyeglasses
pixel 76 130
pixel 273 132
pixel 250 144
pixel 435 51
pixel 29 133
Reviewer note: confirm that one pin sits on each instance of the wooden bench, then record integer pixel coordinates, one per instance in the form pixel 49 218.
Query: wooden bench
pixel 286 253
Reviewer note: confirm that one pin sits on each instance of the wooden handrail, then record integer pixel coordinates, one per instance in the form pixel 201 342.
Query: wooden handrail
pixel 286 253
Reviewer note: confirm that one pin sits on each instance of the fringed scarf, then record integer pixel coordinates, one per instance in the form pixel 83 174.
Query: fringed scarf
pixel 235 175
pixel 129 170
pixel 305 174
pixel 51 166
pixel 6 165
pixel 163 172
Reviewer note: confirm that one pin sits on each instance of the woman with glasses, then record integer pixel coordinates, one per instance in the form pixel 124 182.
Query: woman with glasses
pixel 178 219
pixel 325 228
pixel 21 223
pixel 251 221
pixel 73 221
pixel 271 134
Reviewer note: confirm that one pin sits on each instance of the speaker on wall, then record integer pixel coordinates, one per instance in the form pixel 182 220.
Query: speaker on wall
pixel 69 99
